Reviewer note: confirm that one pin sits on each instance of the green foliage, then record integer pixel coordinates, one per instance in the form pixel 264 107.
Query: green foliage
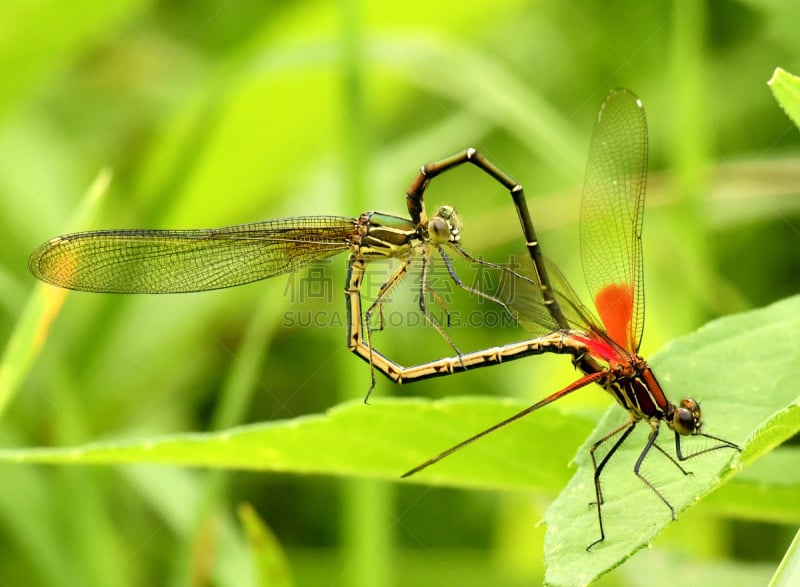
pixel 786 88
pixel 212 114
pixel 722 363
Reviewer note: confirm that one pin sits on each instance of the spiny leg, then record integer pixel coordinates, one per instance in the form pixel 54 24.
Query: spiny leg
pixel 383 292
pixel 651 441
pixel 672 459
pixel 460 284
pixel 423 287
pixel 722 444
pixel 355 317
pixel 360 329
pixel 477 292
pixel 598 469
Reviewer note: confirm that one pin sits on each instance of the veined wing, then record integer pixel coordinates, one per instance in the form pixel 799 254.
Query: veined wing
pixel 179 261
pixel 611 217
pixel 524 298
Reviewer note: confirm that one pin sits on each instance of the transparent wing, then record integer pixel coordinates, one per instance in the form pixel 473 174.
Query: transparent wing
pixel 611 217
pixel 524 298
pixel 179 261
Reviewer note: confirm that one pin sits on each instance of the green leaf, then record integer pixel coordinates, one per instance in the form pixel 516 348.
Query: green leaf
pixel 742 369
pixel 765 492
pixel 381 440
pixel 786 89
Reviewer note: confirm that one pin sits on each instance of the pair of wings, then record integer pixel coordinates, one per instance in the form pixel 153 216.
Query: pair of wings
pixel 610 234
pixel 151 261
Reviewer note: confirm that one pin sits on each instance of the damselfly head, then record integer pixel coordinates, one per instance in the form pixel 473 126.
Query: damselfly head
pixel 686 418
pixel 445 226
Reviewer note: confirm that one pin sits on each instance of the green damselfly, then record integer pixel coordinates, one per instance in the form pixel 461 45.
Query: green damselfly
pixel 181 261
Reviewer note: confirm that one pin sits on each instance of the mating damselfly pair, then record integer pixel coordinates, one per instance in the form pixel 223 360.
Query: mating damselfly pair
pixel 603 346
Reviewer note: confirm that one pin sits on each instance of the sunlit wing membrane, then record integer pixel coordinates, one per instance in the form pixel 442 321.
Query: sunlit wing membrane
pixel 178 261
pixel 611 217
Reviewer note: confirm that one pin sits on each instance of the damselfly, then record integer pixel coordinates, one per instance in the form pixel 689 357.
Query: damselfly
pixel 179 261
pixel 606 350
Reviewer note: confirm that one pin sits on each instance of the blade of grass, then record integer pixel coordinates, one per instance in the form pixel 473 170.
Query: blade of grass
pixel 44 304
pixel 788 572
pixel 270 560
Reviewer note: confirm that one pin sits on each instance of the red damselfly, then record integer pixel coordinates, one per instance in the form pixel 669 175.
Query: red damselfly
pixel 605 349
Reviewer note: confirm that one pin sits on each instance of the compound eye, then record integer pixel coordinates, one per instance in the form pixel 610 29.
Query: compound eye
pixel 691 405
pixel 439 230
pixel 684 422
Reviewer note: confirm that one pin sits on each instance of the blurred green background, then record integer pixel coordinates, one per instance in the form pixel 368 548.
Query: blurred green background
pixel 212 113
